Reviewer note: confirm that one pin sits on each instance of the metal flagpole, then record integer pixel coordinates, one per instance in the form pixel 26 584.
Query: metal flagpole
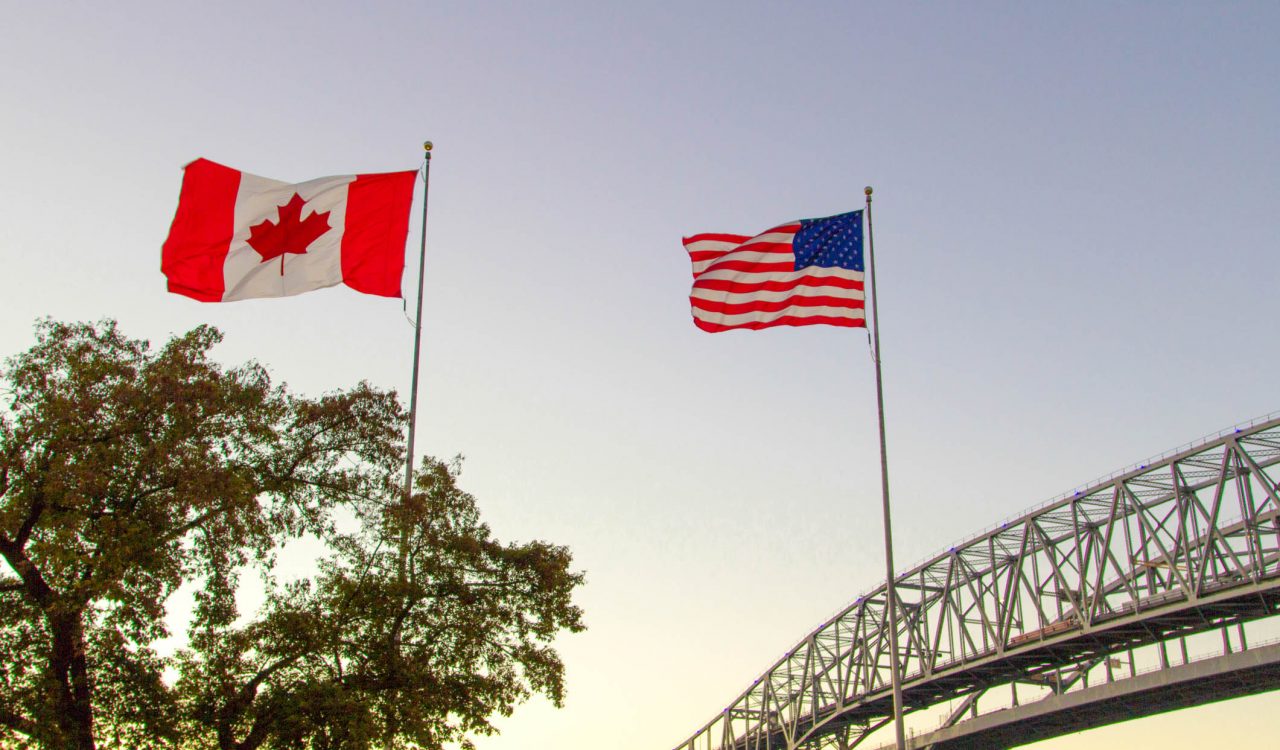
pixel 417 337
pixel 403 552
pixel 891 596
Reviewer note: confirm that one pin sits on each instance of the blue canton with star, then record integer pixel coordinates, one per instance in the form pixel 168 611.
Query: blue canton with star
pixel 831 242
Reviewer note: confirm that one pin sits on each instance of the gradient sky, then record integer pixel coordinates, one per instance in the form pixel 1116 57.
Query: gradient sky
pixel 1076 239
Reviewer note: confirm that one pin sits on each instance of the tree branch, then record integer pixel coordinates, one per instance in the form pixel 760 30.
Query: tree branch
pixel 258 732
pixel 194 523
pixel 29 523
pixel 17 722
pixel 32 580
pixel 236 706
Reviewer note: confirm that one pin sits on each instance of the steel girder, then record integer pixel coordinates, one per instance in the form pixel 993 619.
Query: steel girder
pixel 1183 544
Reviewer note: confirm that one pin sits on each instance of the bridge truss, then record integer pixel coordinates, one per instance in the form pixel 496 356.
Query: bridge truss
pixel 1184 545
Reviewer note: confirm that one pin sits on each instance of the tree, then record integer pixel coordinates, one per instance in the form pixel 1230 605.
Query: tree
pixel 126 473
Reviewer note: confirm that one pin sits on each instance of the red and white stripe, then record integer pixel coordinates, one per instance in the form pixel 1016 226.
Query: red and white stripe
pixel 752 282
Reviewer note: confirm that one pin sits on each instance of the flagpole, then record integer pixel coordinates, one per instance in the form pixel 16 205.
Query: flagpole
pixel 417 339
pixel 891 596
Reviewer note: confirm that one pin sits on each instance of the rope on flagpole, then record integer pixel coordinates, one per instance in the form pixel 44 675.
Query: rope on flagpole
pixel 891 594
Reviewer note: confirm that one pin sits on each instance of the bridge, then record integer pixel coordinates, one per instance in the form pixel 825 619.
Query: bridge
pixel 1151 589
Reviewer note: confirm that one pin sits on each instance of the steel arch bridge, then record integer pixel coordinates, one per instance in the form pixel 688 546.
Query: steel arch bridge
pixel 1076 614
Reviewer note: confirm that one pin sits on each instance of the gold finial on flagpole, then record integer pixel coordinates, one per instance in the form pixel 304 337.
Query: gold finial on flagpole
pixel 867 190
pixel 426 146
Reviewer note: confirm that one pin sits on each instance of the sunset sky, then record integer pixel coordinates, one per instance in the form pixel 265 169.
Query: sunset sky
pixel 1075 233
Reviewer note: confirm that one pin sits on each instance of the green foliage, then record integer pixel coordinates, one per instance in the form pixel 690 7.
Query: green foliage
pixel 125 473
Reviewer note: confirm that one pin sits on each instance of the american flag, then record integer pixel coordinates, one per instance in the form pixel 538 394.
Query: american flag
pixel 806 272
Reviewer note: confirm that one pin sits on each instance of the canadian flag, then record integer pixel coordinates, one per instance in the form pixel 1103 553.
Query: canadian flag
pixel 238 235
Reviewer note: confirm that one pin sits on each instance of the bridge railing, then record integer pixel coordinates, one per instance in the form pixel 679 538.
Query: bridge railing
pixel 1137 466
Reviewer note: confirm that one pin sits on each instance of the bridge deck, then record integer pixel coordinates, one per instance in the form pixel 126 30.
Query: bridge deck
pixel 1207 681
pixel 1181 545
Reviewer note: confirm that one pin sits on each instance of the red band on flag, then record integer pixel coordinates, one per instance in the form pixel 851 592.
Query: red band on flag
pixel 196 249
pixel 377 224
pixel 737 308
pixel 736 239
pixel 729 285
pixel 807 320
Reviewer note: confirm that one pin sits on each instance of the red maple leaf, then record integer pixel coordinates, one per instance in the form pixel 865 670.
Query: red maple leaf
pixel 292 235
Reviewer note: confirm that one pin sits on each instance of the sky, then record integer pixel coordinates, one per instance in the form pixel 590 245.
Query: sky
pixel 1075 240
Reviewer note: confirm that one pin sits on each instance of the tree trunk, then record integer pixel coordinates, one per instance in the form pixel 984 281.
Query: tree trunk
pixel 69 668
